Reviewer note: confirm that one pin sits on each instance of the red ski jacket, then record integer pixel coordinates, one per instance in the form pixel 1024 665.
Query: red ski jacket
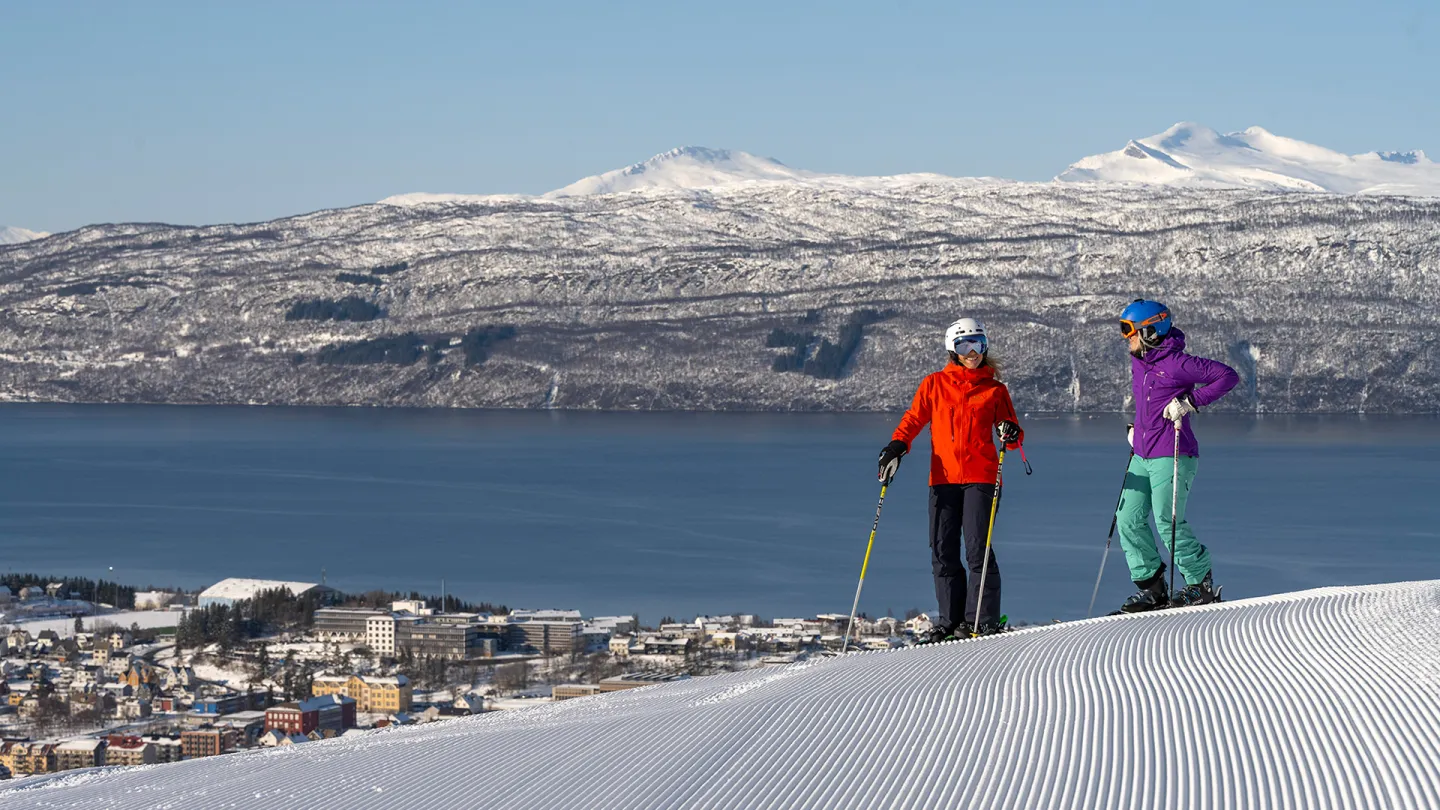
pixel 962 407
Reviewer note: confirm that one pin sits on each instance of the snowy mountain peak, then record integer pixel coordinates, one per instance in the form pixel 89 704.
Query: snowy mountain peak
pixel 701 167
pixel 685 167
pixel 1191 154
pixel 14 236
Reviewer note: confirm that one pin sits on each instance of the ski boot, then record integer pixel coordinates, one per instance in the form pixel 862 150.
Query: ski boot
pixel 1201 593
pixel 936 635
pixel 991 628
pixel 1153 595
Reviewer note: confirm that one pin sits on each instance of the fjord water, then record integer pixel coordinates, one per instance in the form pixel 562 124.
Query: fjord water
pixel 675 514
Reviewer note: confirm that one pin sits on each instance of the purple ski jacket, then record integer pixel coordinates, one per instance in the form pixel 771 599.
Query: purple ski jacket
pixel 1164 373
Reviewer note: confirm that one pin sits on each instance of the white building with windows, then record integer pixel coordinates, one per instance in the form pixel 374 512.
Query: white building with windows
pixel 380 634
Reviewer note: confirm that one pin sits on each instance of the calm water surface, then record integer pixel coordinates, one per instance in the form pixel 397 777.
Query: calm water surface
pixel 675 514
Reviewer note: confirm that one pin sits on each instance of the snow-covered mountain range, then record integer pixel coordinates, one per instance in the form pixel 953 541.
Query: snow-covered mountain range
pixel 686 167
pixel 1193 155
pixel 13 236
pixel 698 168
pixel 1320 699
pixel 750 296
pixel 1186 154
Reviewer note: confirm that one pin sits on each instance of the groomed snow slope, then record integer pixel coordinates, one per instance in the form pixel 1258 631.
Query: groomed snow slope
pixel 1328 698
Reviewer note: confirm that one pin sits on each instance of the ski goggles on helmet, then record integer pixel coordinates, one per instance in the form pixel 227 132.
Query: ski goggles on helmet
pixel 1128 328
pixel 970 343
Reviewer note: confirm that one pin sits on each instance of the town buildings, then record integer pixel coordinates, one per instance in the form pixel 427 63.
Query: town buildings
pixel 207 741
pixel 128 750
pixel 391 633
pixel 343 624
pixel 25 758
pixel 334 712
pixel 386 694
pixel 85 753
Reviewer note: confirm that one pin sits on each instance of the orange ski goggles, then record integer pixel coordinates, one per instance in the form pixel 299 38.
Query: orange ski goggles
pixel 1128 328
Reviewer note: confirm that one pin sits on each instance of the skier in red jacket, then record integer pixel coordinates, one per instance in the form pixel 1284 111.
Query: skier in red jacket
pixel 964 404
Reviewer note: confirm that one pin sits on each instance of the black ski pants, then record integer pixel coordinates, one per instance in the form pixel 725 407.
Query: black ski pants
pixel 956 510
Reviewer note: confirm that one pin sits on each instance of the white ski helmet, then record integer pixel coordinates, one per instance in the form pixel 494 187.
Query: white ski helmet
pixel 964 328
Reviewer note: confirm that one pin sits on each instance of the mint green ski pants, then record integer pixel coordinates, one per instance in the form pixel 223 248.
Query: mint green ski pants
pixel 1147 486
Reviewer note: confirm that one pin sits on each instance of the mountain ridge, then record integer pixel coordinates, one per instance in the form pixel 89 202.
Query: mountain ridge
pixel 753 296
pixel 1190 154
pixel 10 235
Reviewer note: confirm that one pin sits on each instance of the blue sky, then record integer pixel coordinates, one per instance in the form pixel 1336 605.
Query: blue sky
pixel 208 112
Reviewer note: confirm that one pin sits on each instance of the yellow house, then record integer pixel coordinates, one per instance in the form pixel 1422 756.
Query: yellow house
pixel 390 694
pixel 23 758
pixel 372 693
pixel 9 750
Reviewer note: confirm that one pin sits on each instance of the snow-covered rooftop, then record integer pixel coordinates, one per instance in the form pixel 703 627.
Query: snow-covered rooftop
pixel 238 588
pixel 1327 698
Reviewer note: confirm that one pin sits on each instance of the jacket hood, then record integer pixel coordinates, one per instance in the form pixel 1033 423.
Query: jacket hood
pixel 1174 343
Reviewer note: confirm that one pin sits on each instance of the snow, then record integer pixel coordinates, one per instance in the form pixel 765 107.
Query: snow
pixel 237 588
pixel 1186 154
pixel 235 676
pixel 685 167
pixel 14 236
pixel 689 168
pixel 123 619
pixel 1189 154
pixel 616 297
pixel 1321 699
pixel 425 197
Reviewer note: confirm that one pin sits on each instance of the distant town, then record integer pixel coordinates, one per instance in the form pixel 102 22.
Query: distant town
pixel 97 673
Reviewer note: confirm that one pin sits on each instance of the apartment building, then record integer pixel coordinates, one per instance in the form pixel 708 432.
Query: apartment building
pixel 88 753
pixel 128 750
pixel 207 741
pixel 344 623
pixel 334 712
pixel 167 749
pixel 25 758
pixel 380 632
pixel 552 637
pixel 372 693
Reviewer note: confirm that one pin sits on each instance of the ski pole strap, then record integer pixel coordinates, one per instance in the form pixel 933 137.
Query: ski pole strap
pixel 1024 460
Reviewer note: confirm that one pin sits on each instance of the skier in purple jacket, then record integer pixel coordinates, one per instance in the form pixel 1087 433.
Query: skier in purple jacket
pixel 1169 385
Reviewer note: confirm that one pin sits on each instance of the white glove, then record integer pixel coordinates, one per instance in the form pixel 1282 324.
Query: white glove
pixel 1130 435
pixel 1179 408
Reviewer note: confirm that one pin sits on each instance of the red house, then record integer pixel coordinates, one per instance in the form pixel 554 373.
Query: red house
pixel 326 712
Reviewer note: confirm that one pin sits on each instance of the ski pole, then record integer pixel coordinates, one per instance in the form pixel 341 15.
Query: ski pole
pixel 989 532
pixel 845 643
pixel 1114 516
pixel 1174 496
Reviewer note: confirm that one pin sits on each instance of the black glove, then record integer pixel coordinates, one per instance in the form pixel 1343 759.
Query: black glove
pixel 890 460
pixel 1009 433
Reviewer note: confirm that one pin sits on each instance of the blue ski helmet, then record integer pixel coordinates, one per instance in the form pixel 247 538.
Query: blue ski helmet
pixel 1150 318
